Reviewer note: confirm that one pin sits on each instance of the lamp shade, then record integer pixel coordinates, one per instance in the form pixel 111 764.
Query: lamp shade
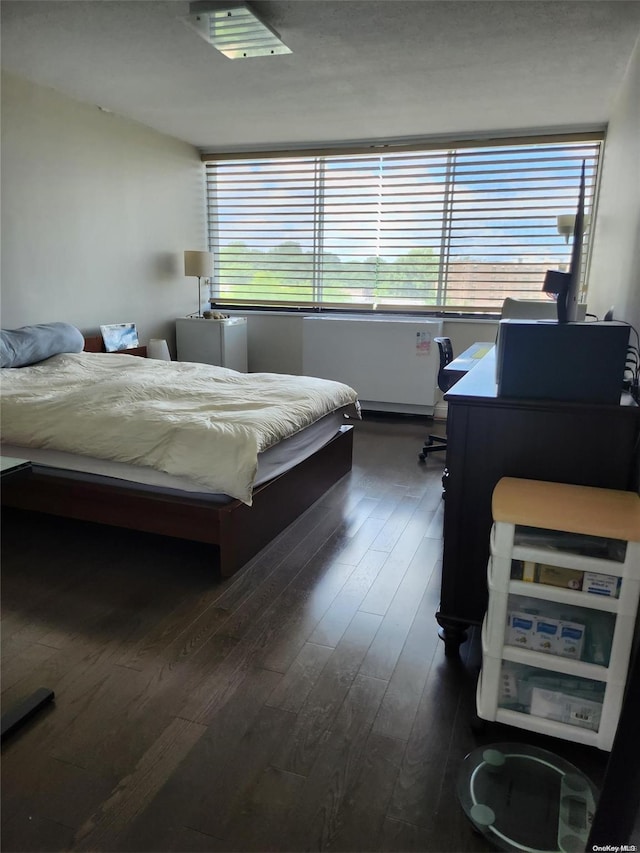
pixel 159 349
pixel 198 264
pixel 567 224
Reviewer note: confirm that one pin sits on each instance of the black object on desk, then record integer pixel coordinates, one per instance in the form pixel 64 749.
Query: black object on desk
pixel 489 437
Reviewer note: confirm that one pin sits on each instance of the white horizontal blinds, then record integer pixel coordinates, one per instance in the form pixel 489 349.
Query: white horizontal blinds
pixel 263 219
pixel 382 228
pixel 503 232
pixel 452 229
pixel 341 230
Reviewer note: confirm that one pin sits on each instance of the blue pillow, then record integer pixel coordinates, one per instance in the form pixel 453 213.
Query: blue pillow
pixel 30 344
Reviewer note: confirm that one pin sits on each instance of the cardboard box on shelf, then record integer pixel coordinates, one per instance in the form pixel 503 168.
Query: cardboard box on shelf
pixel 520 629
pixel 574 711
pixel 601 584
pixel 545 636
pixel 570 640
pixel 558 576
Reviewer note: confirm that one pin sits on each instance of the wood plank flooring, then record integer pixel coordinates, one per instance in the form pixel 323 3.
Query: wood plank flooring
pixel 305 704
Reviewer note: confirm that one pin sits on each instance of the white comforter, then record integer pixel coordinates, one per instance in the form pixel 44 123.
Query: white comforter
pixel 191 420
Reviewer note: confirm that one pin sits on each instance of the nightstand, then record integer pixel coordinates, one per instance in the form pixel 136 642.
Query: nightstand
pixel 140 351
pixel 94 343
pixel 219 342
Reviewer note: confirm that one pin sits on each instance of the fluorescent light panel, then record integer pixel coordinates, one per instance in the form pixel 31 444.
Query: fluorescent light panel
pixel 235 30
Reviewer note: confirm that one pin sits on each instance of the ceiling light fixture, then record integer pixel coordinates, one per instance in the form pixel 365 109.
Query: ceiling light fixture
pixel 234 29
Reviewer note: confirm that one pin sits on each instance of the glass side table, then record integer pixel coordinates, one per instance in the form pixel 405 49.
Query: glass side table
pixel 523 798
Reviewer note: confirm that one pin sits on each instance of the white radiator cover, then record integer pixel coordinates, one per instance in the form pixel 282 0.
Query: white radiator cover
pixel 392 363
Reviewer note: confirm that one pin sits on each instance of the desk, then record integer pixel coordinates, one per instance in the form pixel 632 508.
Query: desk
pixel 468 359
pixel 489 437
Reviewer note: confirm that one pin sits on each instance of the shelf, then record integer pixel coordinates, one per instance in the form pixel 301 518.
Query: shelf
pixel 555 663
pixel 560 595
pixel 503 548
pixel 523 677
pixel 566 560
pixel 537 724
pixel 547 727
pixel 544 660
pixel 604 513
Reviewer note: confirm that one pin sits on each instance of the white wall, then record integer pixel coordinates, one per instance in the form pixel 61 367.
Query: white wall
pixel 614 277
pixel 96 212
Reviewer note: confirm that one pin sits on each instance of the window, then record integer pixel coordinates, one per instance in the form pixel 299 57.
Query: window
pixel 451 229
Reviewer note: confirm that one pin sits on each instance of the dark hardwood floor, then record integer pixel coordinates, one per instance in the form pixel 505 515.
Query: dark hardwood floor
pixel 305 704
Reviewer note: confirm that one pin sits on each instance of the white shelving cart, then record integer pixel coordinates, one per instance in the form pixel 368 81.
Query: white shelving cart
pixel 564 581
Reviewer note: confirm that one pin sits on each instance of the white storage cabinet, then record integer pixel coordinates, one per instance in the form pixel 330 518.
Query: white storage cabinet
pixel 574 534
pixel 220 342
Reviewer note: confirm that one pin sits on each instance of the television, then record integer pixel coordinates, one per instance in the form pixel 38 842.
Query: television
pixel 566 285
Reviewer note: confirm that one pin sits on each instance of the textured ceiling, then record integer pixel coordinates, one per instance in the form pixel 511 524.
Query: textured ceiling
pixel 379 69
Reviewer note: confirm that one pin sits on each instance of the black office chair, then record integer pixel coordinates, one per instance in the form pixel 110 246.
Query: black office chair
pixel 445 381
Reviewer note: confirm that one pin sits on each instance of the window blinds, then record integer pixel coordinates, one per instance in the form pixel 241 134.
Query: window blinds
pixel 455 229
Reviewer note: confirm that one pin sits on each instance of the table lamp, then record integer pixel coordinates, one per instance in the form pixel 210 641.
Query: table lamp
pixel 199 264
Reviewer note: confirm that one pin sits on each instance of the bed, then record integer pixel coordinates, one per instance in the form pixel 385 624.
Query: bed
pixel 302 451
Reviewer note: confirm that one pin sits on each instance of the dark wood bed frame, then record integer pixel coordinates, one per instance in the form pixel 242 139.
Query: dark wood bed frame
pixel 238 530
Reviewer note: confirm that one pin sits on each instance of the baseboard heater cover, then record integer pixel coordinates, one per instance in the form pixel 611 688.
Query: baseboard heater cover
pixel 392 363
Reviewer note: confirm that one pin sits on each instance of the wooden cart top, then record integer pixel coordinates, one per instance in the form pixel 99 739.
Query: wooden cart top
pixel 609 513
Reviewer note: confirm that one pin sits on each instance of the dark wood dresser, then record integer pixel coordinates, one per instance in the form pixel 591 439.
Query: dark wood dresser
pixel 489 437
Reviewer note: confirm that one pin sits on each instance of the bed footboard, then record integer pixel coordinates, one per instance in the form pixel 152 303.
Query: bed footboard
pixel 239 531
pixel 245 530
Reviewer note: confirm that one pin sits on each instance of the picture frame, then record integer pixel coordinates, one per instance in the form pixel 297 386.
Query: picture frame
pixel 119 336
